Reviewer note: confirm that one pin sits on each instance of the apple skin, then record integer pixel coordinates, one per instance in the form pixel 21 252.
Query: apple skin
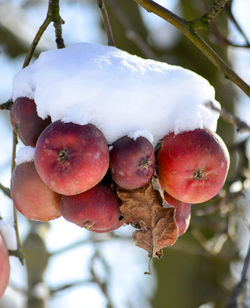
pixel 31 196
pixel 25 121
pixel 97 209
pixel 71 158
pixel 132 162
pixel 193 165
pixel 4 266
pixel 182 213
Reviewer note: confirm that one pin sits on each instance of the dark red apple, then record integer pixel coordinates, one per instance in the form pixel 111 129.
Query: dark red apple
pixel 182 213
pixel 71 158
pixel 132 162
pixel 192 165
pixel 31 196
pixel 4 266
pixel 25 121
pixel 97 209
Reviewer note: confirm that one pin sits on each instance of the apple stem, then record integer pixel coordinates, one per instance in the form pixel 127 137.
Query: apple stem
pixel 198 174
pixel 63 155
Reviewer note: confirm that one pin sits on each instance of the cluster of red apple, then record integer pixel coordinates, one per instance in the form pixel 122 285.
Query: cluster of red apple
pixel 75 175
pixel 73 169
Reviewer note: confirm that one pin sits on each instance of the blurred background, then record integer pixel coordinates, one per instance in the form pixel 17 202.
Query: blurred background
pixel 70 267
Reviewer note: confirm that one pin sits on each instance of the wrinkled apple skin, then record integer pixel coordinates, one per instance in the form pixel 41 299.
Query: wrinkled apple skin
pixel 132 162
pixel 31 196
pixel 182 213
pixel 192 165
pixel 71 158
pixel 97 209
pixel 25 121
pixel 4 266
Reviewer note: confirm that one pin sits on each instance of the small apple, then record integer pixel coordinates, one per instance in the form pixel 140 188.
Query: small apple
pixel 31 196
pixel 182 213
pixel 25 121
pixel 97 209
pixel 4 266
pixel 71 158
pixel 132 162
pixel 193 165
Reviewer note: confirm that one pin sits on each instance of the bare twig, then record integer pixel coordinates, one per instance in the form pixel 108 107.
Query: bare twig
pixel 131 33
pixel 224 40
pixel 230 118
pixel 187 29
pixel 5 190
pixel 6 105
pixel 228 10
pixel 52 15
pixel 233 300
pixel 204 21
pixel 19 245
pixel 103 285
pixel 106 21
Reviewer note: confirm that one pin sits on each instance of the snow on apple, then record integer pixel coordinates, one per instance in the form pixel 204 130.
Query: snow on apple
pixel 117 92
pixel 103 122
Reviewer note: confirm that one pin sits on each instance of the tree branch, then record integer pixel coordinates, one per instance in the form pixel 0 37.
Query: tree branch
pixel 233 301
pixel 187 29
pixel 5 190
pixel 204 21
pixel 106 21
pixel 230 118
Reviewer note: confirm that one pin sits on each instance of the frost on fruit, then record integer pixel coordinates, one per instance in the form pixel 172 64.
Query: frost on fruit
pixel 142 208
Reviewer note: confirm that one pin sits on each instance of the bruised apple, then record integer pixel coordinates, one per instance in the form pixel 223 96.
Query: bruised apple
pixel 4 266
pixel 132 162
pixel 25 121
pixel 97 209
pixel 193 165
pixel 182 213
pixel 71 158
pixel 31 196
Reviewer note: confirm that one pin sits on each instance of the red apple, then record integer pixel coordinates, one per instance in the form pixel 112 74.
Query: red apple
pixel 31 196
pixel 132 162
pixel 182 213
pixel 71 158
pixel 192 165
pixel 25 121
pixel 4 266
pixel 97 209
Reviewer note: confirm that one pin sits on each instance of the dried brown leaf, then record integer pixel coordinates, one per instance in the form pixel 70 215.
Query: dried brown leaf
pixel 143 209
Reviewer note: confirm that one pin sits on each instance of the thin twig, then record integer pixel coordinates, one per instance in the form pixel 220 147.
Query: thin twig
pixel 225 40
pixel 19 244
pixel 233 300
pixel 131 33
pixel 228 10
pixel 5 190
pixel 6 105
pixel 204 21
pixel 107 23
pixel 54 15
pixel 230 118
pixel 103 285
pixel 186 28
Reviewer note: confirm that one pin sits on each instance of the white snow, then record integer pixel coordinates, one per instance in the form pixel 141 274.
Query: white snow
pixel 8 234
pixel 118 92
pixel 25 154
